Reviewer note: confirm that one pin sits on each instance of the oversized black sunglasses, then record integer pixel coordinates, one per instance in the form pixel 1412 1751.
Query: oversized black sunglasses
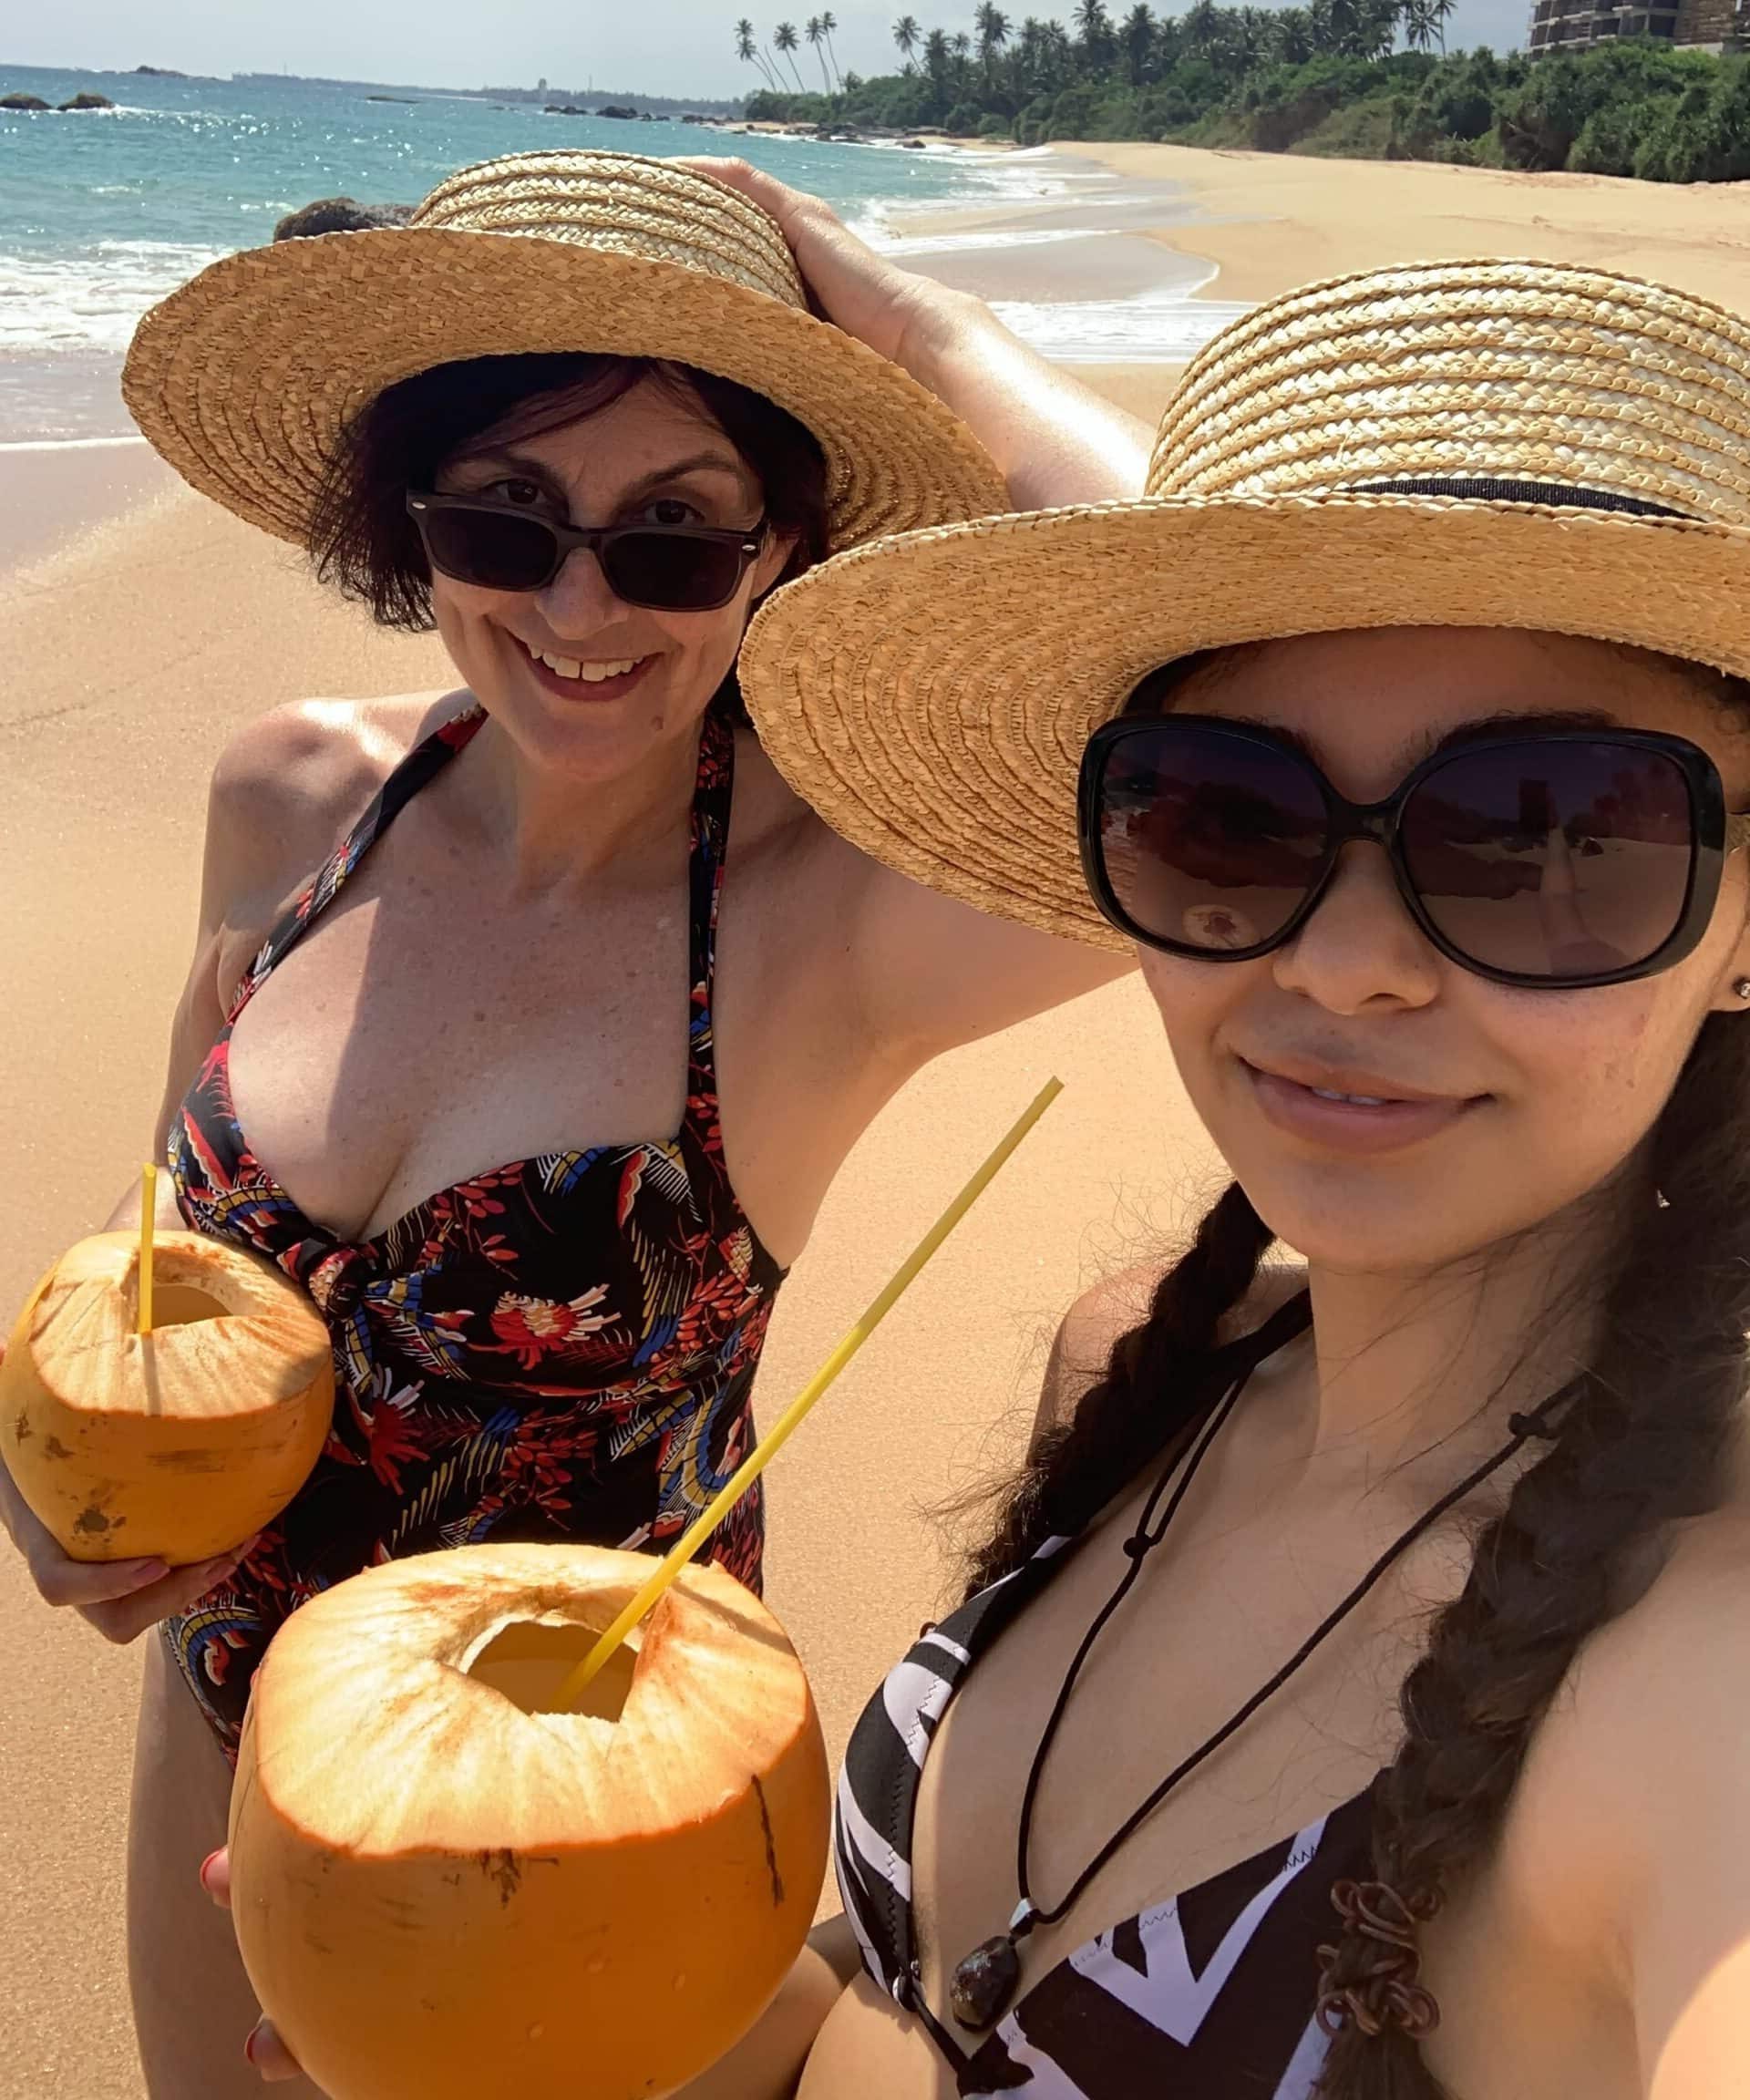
pixel 1560 858
pixel 502 547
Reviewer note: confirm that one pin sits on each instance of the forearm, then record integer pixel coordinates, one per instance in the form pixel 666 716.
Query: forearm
pixel 1055 440
pixel 767 2065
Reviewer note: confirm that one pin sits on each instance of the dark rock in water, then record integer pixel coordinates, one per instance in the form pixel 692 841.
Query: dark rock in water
pixel 340 215
pixel 88 102
pixel 912 145
pixel 31 102
pixel 563 109
pixel 614 109
pixel 159 73
pixel 412 101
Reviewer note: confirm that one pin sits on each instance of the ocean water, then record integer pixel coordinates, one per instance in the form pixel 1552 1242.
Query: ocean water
pixel 103 213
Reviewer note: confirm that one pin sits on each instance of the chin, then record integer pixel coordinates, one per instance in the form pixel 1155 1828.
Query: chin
pixel 1405 1216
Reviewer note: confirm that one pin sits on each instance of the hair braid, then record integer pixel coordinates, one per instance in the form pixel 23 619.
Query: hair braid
pixel 1638 1443
pixel 1151 1390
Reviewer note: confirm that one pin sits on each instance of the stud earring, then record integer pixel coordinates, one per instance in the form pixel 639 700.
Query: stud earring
pixel 1740 986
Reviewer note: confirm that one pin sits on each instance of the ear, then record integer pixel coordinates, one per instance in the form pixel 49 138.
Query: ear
pixel 1732 993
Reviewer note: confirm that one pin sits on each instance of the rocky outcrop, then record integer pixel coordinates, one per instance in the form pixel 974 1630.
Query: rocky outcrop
pixel 614 109
pixel 31 102
pixel 340 215
pixel 88 102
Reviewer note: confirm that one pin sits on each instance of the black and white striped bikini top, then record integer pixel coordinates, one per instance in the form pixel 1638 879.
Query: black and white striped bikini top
pixel 1206 1996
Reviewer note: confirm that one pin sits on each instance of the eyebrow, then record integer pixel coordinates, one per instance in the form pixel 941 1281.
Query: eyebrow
pixel 1506 723
pixel 534 470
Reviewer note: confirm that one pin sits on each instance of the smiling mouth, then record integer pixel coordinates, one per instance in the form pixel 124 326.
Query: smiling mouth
pixel 585 670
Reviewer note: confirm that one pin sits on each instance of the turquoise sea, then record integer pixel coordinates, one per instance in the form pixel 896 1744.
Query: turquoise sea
pixel 103 213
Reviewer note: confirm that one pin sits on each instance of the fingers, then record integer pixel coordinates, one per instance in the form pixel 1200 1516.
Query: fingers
pixel 167 1595
pixel 215 1876
pixel 270 2055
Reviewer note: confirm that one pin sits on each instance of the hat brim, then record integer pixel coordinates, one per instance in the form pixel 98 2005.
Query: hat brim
pixel 930 697
pixel 243 378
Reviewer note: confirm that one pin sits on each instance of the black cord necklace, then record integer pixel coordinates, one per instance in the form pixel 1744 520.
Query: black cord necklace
pixel 984 1983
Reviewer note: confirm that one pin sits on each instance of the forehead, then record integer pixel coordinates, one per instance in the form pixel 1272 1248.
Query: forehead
pixel 1368 702
pixel 648 425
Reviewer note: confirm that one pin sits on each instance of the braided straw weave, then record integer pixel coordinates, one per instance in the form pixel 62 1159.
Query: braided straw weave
pixel 244 378
pixel 931 696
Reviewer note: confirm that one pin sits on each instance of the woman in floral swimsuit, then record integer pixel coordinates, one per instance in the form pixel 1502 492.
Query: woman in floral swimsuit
pixel 509 950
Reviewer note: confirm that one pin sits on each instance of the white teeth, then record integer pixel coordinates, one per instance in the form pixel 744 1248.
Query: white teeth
pixel 591 674
pixel 1355 1100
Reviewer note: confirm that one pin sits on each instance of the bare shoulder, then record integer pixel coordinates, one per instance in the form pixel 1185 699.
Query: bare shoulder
pixel 1664 1689
pixel 1088 1330
pixel 1637 1778
pixel 289 783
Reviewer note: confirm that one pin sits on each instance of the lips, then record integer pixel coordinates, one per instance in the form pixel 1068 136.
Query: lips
pixel 1346 1109
pixel 578 678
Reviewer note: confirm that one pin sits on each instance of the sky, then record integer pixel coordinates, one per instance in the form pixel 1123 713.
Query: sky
pixel 679 48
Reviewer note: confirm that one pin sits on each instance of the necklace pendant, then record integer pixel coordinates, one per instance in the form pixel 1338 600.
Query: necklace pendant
pixel 984 1983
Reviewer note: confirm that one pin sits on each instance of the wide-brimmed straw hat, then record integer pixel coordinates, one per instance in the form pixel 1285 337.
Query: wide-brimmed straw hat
pixel 1457 443
pixel 244 378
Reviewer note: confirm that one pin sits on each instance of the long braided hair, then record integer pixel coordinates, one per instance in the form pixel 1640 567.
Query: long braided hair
pixel 1636 1444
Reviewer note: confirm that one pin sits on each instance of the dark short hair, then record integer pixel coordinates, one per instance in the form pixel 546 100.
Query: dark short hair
pixel 362 540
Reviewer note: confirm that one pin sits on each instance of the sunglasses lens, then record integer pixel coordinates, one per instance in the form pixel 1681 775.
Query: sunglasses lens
pixel 1209 842
pixel 1565 859
pixel 671 569
pixel 491 549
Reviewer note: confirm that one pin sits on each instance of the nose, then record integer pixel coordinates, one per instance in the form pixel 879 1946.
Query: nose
pixel 579 597
pixel 1360 951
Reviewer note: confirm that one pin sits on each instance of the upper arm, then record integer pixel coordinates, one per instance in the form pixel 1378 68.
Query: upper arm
pixel 931 973
pixel 1666 1716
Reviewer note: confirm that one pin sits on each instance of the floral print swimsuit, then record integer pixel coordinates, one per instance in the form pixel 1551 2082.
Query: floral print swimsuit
pixel 562 1348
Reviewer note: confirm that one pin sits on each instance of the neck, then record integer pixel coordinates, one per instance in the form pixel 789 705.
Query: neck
pixel 1415 1373
pixel 550 829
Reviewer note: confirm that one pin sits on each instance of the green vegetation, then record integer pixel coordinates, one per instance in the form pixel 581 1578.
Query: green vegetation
pixel 1369 78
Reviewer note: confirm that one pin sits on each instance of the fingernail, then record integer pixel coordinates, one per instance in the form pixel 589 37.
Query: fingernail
pixel 249 2046
pixel 206 1868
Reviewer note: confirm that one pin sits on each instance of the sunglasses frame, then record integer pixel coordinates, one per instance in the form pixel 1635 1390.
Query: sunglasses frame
pixel 598 539
pixel 1714 833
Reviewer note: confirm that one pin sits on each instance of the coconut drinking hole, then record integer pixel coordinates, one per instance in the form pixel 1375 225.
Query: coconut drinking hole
pixel 182 1305
pixel 528 1661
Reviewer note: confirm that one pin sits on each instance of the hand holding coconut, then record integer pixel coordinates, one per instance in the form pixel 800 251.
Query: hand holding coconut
pixel 160 1401
pixel 121 1598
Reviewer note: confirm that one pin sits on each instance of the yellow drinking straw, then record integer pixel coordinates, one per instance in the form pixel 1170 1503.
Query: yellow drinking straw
pixel 148 1216
pixel 755 1464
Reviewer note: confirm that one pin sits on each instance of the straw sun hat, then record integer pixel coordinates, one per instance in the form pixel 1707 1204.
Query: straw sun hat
pixel 243 378
pixel 1457 443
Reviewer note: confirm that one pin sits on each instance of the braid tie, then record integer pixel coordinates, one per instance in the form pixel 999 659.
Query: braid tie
pixel 1372 1979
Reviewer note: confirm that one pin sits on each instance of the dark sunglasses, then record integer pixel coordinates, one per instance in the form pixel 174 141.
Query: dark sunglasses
pixel 502 547
pixel 1561 858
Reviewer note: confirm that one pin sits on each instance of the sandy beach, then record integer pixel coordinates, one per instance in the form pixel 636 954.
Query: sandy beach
pixel 143 624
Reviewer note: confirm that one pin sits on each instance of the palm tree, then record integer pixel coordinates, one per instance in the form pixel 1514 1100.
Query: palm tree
pixel 993 34
pixel 785 39
pixel 908 36
pixel 829 23
pixel 1441 10
pixel 1420 28
pixel 1138 41
pixel 962 50
pixel 1096 29
pixel 817 37
pixel 937 62
pixel 748 51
